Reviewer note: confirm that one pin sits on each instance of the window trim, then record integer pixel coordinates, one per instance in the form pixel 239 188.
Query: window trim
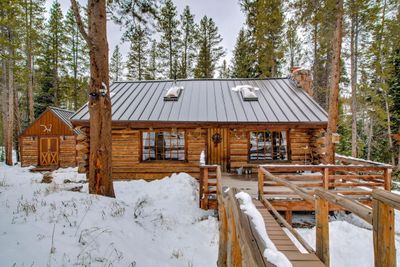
pixel 160 161
pixel 288 147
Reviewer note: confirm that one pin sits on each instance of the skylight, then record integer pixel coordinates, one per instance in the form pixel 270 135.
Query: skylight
pixel 248 92
pixel 173 93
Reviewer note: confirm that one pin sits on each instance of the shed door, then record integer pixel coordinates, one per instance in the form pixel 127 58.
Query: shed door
pixel 218 147
pixel 49 151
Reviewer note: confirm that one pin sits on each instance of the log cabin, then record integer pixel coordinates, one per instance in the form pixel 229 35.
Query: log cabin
pixel 161 127
pixel 50 141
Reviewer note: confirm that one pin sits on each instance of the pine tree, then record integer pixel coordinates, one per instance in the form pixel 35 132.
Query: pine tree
pixel 188 29
pixel 168 26
pixel 56 44
pixel 33 28
pixel 151 72
pixel 293 44
pixel 136 62
pixel 224 71
pixel 76 63
pixel 210 50
pixel 265 21
pixel 116 65
pixel 243 57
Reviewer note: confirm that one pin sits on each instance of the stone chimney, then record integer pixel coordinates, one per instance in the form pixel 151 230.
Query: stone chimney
pixel 303 78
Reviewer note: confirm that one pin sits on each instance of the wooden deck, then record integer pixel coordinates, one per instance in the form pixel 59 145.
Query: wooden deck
pixel 283 243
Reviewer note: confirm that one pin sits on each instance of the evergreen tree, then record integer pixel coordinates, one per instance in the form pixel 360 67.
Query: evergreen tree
pixel 210 50
pixel 224 71
pixel 76 64
pixel 33 25
pixel 136 62
pixel 169 45
pixel 116 65
pixel 243 57
pixel 293 44
pixel 151 72
pixel 188 29
pixel 56 46
pixel 265 21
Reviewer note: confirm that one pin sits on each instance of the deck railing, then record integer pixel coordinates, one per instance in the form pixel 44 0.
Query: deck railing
pixel 381 215
pixel 209 178
pixel 353 180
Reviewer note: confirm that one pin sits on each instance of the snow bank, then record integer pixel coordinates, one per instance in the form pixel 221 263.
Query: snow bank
pixel 351 242
pixel 271 252
pixel 148 224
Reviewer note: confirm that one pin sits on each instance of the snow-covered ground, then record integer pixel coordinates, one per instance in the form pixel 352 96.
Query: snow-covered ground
pixel 351 242
pixel 148 224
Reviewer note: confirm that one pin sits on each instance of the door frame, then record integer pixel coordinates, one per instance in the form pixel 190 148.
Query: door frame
pixel 40 149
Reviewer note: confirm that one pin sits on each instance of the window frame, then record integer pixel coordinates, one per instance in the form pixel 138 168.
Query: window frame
pixel 264 161
pixel 167 161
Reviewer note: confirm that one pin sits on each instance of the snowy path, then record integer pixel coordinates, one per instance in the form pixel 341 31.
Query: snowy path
pixel 148 224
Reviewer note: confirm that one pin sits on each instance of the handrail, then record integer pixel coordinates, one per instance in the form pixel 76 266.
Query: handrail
pixel 355 207
pixel 352 160
pixel 296 189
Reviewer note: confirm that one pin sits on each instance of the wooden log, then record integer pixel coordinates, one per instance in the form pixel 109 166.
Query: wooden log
pixel 387 176
pixel 296 189
pixel 260 184
pixel 386 197
pixel 358 209
pixel 322 229
pixel 383 234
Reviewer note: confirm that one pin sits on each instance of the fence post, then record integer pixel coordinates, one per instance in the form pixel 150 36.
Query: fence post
pixel 383 228
pixel 205 188
pixel 260 183
pixel 387 177
pixel 322 229
pixel 325 179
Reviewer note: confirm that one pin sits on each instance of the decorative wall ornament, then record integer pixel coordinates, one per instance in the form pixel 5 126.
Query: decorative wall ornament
pixel 46 128
pixel 239 134
pixel 216 138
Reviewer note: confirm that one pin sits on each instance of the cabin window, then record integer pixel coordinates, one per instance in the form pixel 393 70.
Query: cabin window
pixel 268 146
pixel 163 145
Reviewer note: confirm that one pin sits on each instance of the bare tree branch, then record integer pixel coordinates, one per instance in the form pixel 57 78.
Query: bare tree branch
pixel 79 22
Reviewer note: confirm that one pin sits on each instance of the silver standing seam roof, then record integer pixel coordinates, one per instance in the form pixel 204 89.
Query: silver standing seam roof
pixel 64 115
pixel 212 101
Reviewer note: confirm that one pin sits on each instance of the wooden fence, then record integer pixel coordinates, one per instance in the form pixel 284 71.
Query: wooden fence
pixel 381 215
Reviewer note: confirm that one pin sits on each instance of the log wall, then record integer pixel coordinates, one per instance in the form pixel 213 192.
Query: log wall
pixel 29 150
pixel 126 152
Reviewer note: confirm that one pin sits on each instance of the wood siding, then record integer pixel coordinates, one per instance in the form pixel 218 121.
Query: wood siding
pixel 50 121
pixel 127 163
pixel 233 151
pixel 29 150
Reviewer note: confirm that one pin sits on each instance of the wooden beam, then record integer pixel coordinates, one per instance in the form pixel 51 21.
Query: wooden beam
pixel 383 231
pixel 322 229
pixel 260 184
pixel 357 208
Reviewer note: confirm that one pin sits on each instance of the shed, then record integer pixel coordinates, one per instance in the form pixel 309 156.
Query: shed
pixel 163 126
pixel 50 140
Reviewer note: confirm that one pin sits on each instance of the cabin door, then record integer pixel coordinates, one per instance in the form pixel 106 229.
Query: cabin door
pixel 217 152
pixel 48 151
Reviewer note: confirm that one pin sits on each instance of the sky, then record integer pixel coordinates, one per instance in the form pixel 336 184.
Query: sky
pixel 226 14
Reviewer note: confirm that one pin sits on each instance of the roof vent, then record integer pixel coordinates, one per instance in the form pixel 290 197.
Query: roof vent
pixel 173 93
pixel 248 92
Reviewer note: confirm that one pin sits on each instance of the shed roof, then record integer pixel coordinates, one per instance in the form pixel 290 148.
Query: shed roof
pixel 211 100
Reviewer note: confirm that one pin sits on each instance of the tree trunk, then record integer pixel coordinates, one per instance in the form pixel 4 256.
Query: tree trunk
pixel 353 67
pixel 29 66
pixel 17 121
pixel 369 138
pixel 334 84
pixel 100 172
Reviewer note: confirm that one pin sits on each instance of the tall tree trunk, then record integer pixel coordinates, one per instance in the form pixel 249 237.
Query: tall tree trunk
pixel 17 121
pixel 334 84
pixel 369 138
pixel 29 65
pixel 353 67
pixel 100 173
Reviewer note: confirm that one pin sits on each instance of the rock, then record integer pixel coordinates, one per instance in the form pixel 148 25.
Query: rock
pixel 47 178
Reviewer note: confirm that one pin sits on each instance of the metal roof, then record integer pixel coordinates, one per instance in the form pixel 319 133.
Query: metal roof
pixel 211 100
pixel 64 115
